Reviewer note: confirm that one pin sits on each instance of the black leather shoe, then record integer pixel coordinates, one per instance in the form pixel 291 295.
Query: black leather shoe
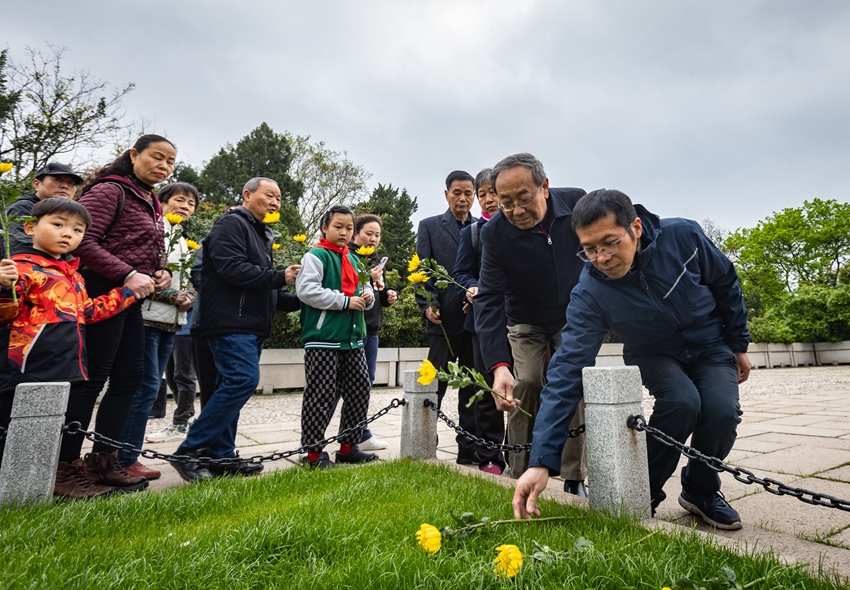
pixel 244 469
pixel 473 459
pixel 576 488
pixel 354 456
pixel 192 471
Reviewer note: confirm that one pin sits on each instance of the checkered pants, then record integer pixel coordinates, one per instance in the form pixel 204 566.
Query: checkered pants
pixel 329 371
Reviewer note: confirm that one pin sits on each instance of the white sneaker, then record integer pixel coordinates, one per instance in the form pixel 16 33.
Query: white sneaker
pixel 173 432
pixel 373 444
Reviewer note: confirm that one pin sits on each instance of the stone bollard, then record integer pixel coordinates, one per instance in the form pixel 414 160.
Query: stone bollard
pixel 32 443
pixel 418 423
pixel 617 466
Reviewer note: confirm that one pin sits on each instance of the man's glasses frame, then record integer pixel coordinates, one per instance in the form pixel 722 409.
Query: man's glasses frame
pixel 606 249
pixel 509 206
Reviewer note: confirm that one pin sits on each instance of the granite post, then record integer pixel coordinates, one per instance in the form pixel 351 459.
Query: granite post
pixel 418 423
pixel 32 442
pixel 617 466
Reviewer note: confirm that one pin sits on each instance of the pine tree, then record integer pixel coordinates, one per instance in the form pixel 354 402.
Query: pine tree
pixel 395 208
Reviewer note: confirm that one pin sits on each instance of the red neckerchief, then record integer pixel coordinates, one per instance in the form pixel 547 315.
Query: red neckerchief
pixel 349 275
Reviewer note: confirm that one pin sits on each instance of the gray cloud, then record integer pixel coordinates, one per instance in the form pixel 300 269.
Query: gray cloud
pixel 726 110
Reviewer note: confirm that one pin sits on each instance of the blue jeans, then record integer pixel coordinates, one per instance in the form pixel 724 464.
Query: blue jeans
pixel 370 347
pixel 158 345
pixel 237 360
pixel 696 397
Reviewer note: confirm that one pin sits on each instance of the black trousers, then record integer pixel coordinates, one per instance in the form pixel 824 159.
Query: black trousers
pixel 116 351
pixel 462 353
pixel 490 421
pixel 180 375
pixel 205 370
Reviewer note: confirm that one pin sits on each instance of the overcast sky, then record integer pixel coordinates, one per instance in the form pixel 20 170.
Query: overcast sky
pixel 723 109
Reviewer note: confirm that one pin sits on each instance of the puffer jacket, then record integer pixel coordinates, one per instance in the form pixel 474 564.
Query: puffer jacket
pixel 135 242
pixel 46 339
pixel 158 310
pixel 681 297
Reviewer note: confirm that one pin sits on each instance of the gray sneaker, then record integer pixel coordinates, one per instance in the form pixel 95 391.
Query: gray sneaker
pixel 173 432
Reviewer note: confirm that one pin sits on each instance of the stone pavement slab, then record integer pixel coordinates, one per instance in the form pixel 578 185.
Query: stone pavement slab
pixel 799 461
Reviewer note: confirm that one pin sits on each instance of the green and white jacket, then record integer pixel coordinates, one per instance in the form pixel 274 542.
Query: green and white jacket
pixel 326 320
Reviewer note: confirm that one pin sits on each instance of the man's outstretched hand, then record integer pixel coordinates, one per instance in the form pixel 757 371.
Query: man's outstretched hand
pixel 528 487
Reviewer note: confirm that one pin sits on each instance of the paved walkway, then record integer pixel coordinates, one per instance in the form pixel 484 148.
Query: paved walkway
pixel 796 429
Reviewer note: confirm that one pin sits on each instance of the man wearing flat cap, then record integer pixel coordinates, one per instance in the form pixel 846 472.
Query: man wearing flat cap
pixel 53 180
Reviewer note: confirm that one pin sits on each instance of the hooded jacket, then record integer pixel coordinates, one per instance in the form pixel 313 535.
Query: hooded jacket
pixel 240 289
pixel 46 339
pixel 680 297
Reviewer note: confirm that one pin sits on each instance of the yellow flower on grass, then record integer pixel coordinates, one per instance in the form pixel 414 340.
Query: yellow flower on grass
pixel 275 246
pixel 429 538
pixel 174 219
pixel 193 245
pixel 427 372
pixel 418 277
pixel 365 250
pixel 5 167
pixel 508 561
pixel 300 238
pixel 666 588
pixel 413 263
pixel 272 217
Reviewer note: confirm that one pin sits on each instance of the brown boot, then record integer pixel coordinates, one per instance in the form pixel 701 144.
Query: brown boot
pixel 104 469
pixel 71 482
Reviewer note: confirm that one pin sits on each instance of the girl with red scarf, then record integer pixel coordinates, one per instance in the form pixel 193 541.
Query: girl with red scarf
pixel 332 328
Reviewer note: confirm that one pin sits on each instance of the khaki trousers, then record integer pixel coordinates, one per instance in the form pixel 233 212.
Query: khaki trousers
pixel 531 347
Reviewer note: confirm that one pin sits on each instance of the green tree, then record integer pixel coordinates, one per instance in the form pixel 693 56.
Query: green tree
pixel 8 98
pixel 260 153
pixel 804 246
pixel 50 114
pixel 328 178
pixel 183 172
pixel 395 208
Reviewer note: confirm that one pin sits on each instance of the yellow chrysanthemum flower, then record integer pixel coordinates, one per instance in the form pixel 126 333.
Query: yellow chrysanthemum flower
pixel 365 250
pixel 275 246
pixel 5 167
pixel 429 538
pixel 174 219
pixel 413 263
pixel 272 217
pixel 300 238
pixel 193 245
pixel 508 561
pixel 418 277
pixel 427 372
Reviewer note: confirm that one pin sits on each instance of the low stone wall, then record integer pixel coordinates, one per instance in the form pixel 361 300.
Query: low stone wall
pixel 284 368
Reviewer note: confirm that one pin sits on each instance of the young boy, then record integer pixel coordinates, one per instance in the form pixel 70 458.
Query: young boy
pixel 44 335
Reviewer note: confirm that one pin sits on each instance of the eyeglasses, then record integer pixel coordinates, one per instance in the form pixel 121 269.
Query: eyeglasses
pixel 508 206
pixel 606 249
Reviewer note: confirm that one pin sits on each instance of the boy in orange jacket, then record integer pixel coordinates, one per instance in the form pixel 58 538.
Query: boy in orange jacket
pixel 44 335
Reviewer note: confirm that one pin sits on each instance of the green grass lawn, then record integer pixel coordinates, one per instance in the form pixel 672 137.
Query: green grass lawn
pixel 351 527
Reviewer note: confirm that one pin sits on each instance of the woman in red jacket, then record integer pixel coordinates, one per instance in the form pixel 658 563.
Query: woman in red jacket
pixel 124 245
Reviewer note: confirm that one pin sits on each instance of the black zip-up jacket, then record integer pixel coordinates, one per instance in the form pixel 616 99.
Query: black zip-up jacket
pixel 240 287
pixel 526 275
pixel 374 316
pixel 18 239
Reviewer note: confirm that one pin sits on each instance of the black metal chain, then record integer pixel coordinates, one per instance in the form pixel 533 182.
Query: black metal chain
pixel 75 428
pixel 743 475
pixel 489 444
pixel 2 433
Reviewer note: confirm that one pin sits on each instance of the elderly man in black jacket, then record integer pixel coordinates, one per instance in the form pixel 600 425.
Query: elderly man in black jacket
pixel 438 238
pixel 240 292
pixel 528 268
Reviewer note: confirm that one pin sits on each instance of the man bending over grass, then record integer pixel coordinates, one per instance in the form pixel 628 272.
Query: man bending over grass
pixel 673 299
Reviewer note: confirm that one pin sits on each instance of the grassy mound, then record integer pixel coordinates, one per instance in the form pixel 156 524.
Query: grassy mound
pixel 346 528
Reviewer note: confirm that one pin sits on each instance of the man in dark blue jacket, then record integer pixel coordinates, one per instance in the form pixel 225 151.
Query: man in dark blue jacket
pixel 240 292
pixel 673 299
pixel 528 268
